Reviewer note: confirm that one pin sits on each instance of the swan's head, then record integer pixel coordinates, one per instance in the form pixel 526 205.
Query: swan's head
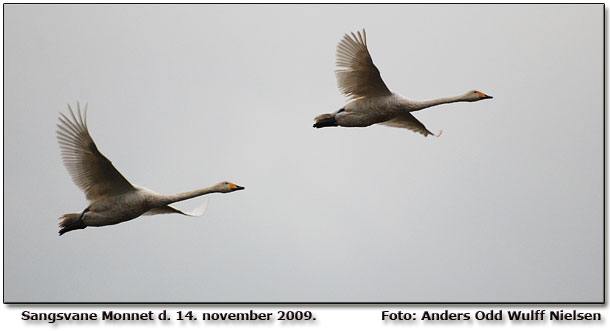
pixel 475 95
pixel 226 187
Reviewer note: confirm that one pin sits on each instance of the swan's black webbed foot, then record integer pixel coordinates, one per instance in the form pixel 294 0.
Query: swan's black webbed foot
pixel 324 122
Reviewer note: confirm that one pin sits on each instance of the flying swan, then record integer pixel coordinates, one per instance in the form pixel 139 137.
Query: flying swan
pixel 112 198
pixel 371 101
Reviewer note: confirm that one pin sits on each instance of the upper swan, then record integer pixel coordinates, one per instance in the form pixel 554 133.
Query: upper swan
pixel 371 101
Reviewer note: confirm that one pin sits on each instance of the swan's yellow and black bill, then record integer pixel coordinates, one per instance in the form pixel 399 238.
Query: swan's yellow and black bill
pixel 235 187
pixel 484 96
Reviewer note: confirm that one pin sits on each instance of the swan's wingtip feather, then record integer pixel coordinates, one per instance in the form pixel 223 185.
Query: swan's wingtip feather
pixel 199 211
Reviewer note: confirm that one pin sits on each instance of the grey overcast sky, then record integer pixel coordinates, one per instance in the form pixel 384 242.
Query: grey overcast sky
pixel 507 205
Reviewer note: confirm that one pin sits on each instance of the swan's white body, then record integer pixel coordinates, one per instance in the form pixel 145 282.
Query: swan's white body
pixel 112 198
pixel 114 209
pixel 371 101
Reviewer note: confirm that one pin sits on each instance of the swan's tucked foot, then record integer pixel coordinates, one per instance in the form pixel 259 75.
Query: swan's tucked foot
pixel 325 120
pixel 71 222
pixel 438 134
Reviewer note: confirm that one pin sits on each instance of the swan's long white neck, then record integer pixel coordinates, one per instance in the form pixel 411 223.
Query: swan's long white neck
pixel 435 102
pixel 171 198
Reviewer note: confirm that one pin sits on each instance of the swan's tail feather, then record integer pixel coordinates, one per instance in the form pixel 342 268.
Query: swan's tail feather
pixel 71 222
pixel 325 120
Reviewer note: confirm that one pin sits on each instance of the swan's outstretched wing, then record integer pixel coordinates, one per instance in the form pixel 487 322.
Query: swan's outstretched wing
pixel 90 170
pixel 171 210
pixel 357 76
pixel 408 121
